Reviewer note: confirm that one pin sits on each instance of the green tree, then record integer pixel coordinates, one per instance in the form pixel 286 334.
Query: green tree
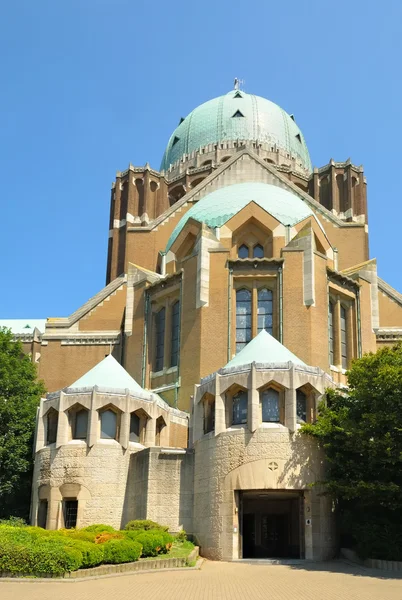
pixel 360 430
pixel 20 393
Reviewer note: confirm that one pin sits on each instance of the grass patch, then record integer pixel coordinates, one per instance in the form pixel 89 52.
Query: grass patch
pixel 178 550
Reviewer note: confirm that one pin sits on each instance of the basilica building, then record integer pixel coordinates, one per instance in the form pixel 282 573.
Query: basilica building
pixel 239 287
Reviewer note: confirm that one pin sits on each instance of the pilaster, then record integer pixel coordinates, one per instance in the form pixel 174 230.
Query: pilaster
pixel 150 433
pixel 290 403
pixel 93 421
pixel 220 413
pixel 62 424
pixel 253 401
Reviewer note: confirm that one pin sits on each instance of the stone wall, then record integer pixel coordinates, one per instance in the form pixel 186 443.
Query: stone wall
pixel 272 458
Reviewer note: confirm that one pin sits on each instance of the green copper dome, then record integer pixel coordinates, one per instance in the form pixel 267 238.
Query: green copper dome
pixel 221 205
pixel 236 116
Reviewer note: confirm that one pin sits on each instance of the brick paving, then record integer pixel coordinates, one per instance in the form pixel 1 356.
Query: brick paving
pixel 223 581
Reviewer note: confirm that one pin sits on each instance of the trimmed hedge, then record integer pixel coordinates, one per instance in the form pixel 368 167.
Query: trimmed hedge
pixel 99 528
pixel 121 551
pixel 38 559
pixel 30 550
pixel 145 524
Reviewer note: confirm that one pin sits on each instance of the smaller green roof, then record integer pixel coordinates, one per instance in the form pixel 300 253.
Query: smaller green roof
pixel 264 348
pixel 22 326
pixel 108 374
pixel 216 208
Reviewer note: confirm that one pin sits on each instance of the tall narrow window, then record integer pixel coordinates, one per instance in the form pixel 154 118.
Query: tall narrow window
pixel 264 310
pixel 331 332
pixel 134 427
pixel 209 415
pixel 108 425
pixel 258 251
pixel 52 418
pixel 270 406
pixel 344 344
pixel 243 251
pixel 243 318
pixel 160 339
pixel 174 350
pixel 70 511
pixel 42 513
pixel 160 425
pixel 80 425
pixel 240 402
pixel 301 406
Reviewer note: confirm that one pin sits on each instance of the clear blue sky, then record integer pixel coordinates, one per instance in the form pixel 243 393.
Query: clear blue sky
pixel 88 86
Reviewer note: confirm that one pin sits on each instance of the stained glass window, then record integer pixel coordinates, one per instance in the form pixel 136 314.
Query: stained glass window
pixel 108 425
pixel 134 427
pixel 243 251
pixel 301 406
pixel 160 339
pixel 331 332
pixel 243 318
pixel 265 311
pixel 174 351
pixel 52 419
pixel 240 402
pixel 344 343
pixel 81 424
pixel 270 406
pixel 258 251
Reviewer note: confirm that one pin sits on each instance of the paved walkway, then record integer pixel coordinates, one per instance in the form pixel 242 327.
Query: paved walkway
pixel 223 581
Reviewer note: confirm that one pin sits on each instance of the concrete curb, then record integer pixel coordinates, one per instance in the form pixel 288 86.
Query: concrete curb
pixel 372 563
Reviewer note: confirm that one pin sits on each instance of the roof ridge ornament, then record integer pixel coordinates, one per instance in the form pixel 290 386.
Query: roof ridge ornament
pixel 238 83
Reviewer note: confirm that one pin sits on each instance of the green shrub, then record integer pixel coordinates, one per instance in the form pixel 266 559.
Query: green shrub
pixel 38 558
pixel 13 522
pixel 99 528
pixel 92 554
pixel 152 543
pixel 162 537
pixel 145 525
pixel 181 536
pixel 121 551
pixel 79 534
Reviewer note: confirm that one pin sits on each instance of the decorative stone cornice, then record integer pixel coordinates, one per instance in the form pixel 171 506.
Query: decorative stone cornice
pixel 343 280
pixel 388 334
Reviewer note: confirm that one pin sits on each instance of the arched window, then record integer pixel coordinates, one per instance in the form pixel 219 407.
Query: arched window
pixel 243 251
pixel 108 425
pixel 301 406
pixel 240 402
pixel 80 425
pixel 243 318
pixel 331 332
pixel 258 251
pixel 159 339
pixel 264 310
pixel 270 406
pixel 52 419
pixel 174 348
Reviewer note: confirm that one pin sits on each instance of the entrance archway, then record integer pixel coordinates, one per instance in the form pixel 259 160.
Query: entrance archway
pixel 271 524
